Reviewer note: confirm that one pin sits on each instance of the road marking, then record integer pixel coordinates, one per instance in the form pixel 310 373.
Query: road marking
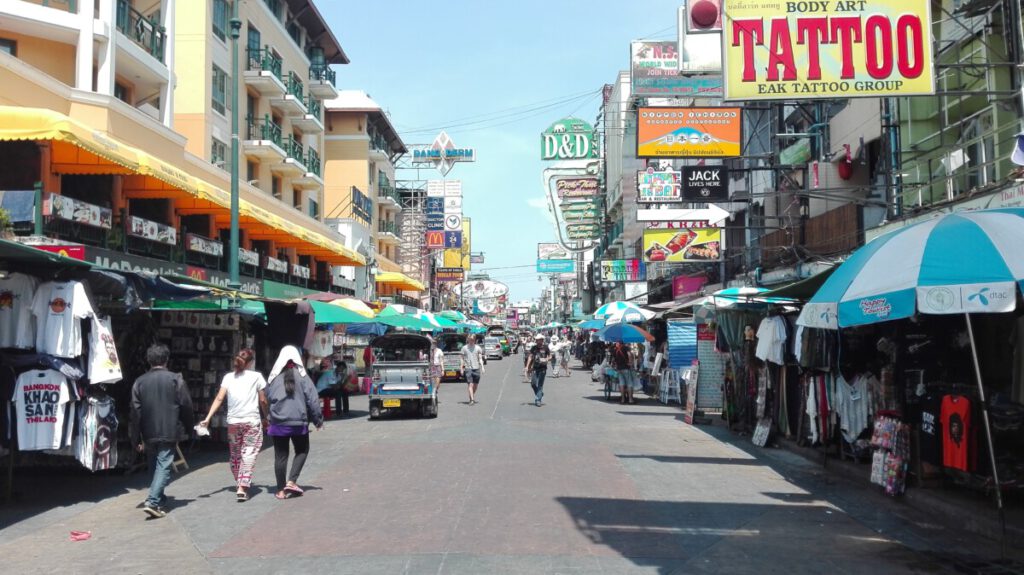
pixel 501 391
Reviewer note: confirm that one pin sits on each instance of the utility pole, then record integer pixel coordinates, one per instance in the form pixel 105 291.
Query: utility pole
pixel 236 31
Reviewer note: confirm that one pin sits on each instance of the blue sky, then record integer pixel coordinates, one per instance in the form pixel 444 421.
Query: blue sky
pixel 437 64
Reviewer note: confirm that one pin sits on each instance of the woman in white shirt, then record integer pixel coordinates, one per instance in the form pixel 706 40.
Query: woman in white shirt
pixel 243 389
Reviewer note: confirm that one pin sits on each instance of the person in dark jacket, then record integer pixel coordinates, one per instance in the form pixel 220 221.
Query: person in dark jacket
pixel 294 404
pixel 161 412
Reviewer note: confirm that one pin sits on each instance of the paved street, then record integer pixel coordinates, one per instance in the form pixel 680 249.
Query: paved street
pixel 576 486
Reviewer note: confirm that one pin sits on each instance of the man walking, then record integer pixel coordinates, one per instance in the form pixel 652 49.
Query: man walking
pixel 537 366
pixel 472 356
pixel 161 411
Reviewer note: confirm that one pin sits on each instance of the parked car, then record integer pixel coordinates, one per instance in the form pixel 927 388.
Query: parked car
pixel 492 348
pixel 451 344
pixel 401 376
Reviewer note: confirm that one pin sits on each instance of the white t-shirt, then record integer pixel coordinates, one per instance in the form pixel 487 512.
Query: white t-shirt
pixel 323 344
pixel 17 327
pixel 438 358
pixel 244 395
pixel 472 356
pixel 40 397
pixel 58 308
pixel 104 365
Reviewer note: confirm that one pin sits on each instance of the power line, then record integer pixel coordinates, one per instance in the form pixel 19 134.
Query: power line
pixel 517 116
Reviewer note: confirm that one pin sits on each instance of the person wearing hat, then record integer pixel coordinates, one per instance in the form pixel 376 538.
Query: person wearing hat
pixel 537 366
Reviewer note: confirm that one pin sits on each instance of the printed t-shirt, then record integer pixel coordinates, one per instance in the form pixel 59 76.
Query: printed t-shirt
pixel 104 365
pixel 17 328
pixel 58 308
pixel 931 430
pixel 243 395
pixel 956 429
pixel 96 442
pixel 40 398
pixel 541 354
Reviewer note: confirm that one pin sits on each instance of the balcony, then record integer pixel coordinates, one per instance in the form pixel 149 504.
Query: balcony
pixel 312 179
pixel 387 196
pixel 388 232
pixel 263 72
pixel 145 32
pixel 294 164
pixel 321 82
pixel 65 5
pixel 291 103
pixel 263 139
pixel 310 122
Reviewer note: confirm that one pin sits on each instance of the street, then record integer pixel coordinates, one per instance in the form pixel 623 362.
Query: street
pixel 579 485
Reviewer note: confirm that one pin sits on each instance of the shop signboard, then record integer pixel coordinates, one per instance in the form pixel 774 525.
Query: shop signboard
pixel 623 270
pixel 73 252
pixel 453 222
pixel 575 215
pixel 678 225
pixel 453 239
pixel 675 132
pixel 583 230
pixel 276 265
pixel 583 234
pixel 152 231
pixel 569 139
pixel 449 274
pixel 476 258
pixel 435 189
pixel 683 286
pixel 553 258
pixel 119 261
pixel 481 289
pixel 434 205
pixel 576 187
pixel 284 291
pixel 655 71
pixel 688 245
pixel 72 210
pixel 453 188
pixel 658 187
pixel 203 245
pixel 443 154
pixel 435 222
pixel 803 50
pixel 635 292
pixel 453 205
pixel 705 184
pixel 248 257
pixel 435 239
pixel 300 271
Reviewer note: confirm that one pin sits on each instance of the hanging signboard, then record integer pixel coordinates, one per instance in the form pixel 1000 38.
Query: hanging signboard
pixel 636 292
pixel 689 132
pixel 443 154
pixel 197 243
pixel 453 239
pixel 449 274
pixel 588 213
pixel 568 139
pixel 300 271
pixel 623 270
pixel 803 50
pixel 276 265
pixel 248 257
pixel 152 231
pixel 476 258
pixel 434 205
pixel 654 187
pixel 576 187
pixel 72 210
pixel 435 222
pixel 700 245
pixel 705 183
pixel 654 71
pixel 435 239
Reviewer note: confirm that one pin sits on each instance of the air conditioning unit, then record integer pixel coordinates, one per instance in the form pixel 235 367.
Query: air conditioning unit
pixel 704 16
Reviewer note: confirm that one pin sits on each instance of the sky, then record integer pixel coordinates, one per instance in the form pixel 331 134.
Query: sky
pixel 494 75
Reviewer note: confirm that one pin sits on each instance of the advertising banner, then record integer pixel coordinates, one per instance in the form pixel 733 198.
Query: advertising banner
pixel 702 245
pixel 300 271
pixel 152 231
pixel 481 289
pixel 553 258
pixel 476 258
pixel 248 257
pixel 72 210
pixel 636 292
pixel 568 139
pixel 705 183
pixel 683 286
pixel 689 132
pixel 276 265
pixel 435 189
pixel 453 239
pixel 449 274
pixel 803 50
pixel 556 266
pixel 197 243
pixel 576 187
pixel 434 205
pixel 73 252
pixel 623 270
pixel 654 71
pixel 654 187
pixel 435 239
pixel 435 222
pixel 452 258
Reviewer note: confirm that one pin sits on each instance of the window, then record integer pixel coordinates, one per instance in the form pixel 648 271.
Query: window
pixel 9 46
pixel 297 199
pixel 253 44
pixel 252 105
pixel 275 187
pixel 314 209
pixel 220 90
pixel 122 92
pixel 220 18
pixel 218 153
pixel 295 32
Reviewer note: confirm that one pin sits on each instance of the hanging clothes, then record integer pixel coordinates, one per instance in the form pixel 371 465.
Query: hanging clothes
pixel 956 432
pixel 104 365
pixel 852 404
pixel 58 308
pixel 771 340
pixel 17 326
pixel 40 400
pixel 812 409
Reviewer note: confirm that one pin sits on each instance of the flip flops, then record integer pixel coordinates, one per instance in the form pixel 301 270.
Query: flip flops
pixel 294 489
pixel 283 494
pixel 241 496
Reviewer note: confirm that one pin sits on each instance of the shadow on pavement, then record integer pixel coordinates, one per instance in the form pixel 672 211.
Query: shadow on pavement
pixel 700 460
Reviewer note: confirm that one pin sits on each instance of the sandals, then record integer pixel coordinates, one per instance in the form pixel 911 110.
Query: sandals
pixel 293 489
pixel 241 496
pixel 283 494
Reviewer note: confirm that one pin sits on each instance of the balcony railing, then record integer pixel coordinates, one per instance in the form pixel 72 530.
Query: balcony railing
pixel 264 59
pixel 388 228
pixel 389 192
pixel 65 5
pixel 264 129
pixel 321 73
pixel 313 161
pixel 146 32
pixel 313 106
pixel 295 150
pixel 295 86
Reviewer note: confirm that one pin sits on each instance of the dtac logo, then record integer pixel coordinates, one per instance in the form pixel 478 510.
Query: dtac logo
pixel 986 296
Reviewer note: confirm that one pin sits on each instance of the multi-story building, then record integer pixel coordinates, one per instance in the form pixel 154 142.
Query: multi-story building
pixel 361 148
pixel 103 108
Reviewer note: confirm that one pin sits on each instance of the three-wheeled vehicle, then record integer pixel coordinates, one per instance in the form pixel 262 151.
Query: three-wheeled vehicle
pixel 401 376
pixel 451 344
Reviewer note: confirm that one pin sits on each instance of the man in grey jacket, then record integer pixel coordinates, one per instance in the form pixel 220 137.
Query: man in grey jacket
pixel 161 412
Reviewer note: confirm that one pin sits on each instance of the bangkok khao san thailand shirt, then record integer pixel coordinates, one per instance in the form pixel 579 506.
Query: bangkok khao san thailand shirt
pixel 59 308
pixel 17 327
pixel 40 397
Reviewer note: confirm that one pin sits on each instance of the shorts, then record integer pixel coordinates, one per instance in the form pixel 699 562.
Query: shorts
pixel 436 371
pixel 472 376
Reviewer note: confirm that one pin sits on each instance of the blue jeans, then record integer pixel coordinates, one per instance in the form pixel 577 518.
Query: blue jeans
pixel 161 455
pixel 537 383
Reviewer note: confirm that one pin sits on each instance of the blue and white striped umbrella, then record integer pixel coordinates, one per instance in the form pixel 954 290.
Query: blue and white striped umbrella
pixel 617 307
pixel 963 262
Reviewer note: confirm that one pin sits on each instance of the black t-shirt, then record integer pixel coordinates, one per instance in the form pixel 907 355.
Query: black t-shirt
pixel 541 355
pixel 931 429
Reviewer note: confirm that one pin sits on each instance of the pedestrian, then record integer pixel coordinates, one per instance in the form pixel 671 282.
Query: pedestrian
pixel 244 391
pixel 346 386
pixel 436 365
pixel 472 360
pixel 161 412
pixel 564 357
pixel 293 406
pixel 537 365
pixel 623 360
pixel 329 386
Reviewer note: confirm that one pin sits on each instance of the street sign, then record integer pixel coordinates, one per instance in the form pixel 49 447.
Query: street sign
pixel 452 240
pixel 435 222
pixel 453 222
pixel 435 205
pixel 712 213
pixel 435 239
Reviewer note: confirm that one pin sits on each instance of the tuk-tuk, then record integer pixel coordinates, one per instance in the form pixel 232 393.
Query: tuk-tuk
pixel 451 344
pixel 401 376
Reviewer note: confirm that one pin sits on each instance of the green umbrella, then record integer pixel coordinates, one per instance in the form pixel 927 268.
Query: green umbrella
pixel 327 313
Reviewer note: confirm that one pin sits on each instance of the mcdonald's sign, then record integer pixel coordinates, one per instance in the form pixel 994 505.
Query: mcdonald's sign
pixel 435 240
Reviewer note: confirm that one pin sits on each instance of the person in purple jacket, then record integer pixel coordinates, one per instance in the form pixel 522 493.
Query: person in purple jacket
pixel 294 404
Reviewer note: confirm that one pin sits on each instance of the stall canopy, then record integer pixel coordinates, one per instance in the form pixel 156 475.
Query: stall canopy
pixel 79 149
pixel 327 313
pixel 803 289
pixel 399 281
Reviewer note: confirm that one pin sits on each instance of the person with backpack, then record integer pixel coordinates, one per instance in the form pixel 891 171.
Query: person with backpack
pixel 624 364
pixel 294 404
pixel 537 366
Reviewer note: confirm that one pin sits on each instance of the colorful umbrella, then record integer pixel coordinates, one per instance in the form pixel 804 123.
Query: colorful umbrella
pixel 611 308
pixel 625 333
pixel 327 313
pixel 592 324
pixel 355 305
pixel 628 316
pixel 453 315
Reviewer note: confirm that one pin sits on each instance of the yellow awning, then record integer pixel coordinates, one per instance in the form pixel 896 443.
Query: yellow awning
pixel 399 280
pixel 18 123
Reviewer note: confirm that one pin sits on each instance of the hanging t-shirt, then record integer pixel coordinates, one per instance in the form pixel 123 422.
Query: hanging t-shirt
pixel 243 395
pixel 931 430
pixel 40 398
pixel 96 442
pixel 852 405
pixel 17 327
pixel 59 308
pixel 323 344
pixel 104 365
pixel 771 338
pixel 956 429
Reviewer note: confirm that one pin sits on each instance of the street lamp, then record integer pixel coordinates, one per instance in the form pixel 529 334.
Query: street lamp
pixel 236 31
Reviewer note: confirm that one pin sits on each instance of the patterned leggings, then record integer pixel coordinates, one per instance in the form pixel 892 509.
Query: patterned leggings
pixel 244 441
